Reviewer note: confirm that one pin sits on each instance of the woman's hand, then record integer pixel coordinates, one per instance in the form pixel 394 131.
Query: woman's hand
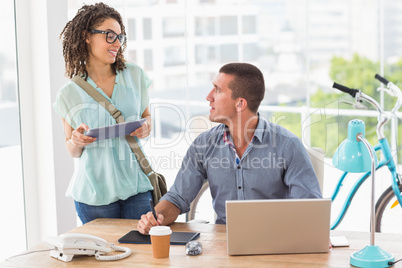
pixel 143 131
pixel 78 139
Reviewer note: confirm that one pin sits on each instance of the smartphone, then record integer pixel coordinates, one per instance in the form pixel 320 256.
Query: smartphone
pixel 114 131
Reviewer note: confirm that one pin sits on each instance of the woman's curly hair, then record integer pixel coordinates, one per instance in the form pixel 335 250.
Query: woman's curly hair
pixel 73 36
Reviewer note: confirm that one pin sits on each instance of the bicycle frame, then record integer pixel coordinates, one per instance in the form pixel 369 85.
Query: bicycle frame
pixel 383 146
pixel 388 161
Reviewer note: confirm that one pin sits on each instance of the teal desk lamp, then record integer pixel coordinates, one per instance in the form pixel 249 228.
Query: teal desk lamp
pixel 355 154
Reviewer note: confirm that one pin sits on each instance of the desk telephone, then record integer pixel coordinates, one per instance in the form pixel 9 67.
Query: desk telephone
pixel 70 244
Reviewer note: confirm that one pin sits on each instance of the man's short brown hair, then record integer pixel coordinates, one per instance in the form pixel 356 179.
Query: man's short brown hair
pixel 248 83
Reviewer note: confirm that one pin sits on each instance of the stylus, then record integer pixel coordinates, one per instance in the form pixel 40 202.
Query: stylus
pixel 151 203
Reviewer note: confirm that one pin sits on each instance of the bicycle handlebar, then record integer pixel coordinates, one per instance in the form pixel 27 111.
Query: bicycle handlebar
pixel 392 90
pixel 381 79
pixel 383 116
pixel 350 91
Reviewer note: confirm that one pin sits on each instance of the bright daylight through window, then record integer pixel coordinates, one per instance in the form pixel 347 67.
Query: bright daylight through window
pixel 301 46
pixel 12 227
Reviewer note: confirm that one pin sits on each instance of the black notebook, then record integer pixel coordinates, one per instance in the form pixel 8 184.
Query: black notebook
pixel 177 238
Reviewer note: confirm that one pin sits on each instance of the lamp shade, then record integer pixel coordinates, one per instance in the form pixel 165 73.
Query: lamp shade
pixel 352 155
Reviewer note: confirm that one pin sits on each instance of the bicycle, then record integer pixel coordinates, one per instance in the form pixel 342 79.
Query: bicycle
pixel 383 208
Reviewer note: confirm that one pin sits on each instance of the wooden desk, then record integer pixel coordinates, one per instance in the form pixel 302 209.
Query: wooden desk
pixel 213 239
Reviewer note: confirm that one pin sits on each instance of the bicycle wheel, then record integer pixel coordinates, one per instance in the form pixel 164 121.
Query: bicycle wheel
pixel 387 219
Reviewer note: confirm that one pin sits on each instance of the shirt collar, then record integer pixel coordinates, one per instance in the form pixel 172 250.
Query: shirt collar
pixel 226 135
pixel 258 133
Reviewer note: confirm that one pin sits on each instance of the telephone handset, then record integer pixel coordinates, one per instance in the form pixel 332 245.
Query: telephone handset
pixel 70 244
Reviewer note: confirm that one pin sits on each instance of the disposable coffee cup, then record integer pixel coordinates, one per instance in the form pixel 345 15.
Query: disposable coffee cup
pixel 160 240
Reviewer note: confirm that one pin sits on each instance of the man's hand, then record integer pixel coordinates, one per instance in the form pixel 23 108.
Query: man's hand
pixel 165 211
pixel 147 221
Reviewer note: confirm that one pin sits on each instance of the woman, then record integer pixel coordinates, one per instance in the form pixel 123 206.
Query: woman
pixel 108 181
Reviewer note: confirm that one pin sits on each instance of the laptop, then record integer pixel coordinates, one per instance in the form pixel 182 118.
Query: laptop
pixel 278 226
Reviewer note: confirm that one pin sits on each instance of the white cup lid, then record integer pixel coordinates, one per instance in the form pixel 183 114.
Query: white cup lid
pixel 160 230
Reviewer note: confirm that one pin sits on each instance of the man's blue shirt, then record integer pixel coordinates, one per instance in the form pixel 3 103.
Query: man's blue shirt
pixel 275 165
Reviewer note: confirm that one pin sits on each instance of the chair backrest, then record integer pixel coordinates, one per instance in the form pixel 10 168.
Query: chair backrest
pixel 316 155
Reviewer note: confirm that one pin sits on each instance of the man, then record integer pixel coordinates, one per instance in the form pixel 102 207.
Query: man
pixel 245 157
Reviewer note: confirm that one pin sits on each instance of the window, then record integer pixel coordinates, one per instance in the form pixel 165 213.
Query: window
pixel 174 56
pixel 249 24
pixel 132 55
pixel 148 60
pixel 12 231
pixel 205 54
pixel 147 28
pixel 251 52
pixel 228 25
pixel 229 52
pixel 131 31
pixel 205 26
pixel 293 42
pixel 173 27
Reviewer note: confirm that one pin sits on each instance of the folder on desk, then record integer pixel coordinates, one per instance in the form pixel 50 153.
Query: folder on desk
pixel 177 238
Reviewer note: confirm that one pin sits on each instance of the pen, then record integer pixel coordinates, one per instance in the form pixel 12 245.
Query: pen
pixel 151 203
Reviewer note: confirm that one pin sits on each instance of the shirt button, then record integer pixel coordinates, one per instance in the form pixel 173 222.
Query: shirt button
pixel 239 187
pixel 238 167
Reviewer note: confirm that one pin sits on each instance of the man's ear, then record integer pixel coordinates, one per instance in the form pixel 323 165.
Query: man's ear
pixel 241 104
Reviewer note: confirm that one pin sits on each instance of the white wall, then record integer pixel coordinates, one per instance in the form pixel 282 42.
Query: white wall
pixel 47 167
pixel 63 163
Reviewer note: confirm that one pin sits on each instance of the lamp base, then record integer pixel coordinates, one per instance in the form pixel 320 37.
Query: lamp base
pixel 371 256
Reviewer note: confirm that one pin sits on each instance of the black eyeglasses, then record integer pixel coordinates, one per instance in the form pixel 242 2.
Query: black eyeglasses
pixel 111 37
